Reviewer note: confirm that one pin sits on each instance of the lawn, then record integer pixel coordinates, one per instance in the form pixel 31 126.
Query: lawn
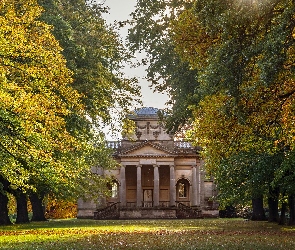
pixel 148 234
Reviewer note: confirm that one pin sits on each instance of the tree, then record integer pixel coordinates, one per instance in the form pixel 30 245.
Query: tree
pixel 37 98
pixel 95 55
pixel 4 218
pixel 150 33
pixel 244 54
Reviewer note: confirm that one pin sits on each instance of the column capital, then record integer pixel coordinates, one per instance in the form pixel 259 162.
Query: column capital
pixel 172 166
pixel 123 165
pixel 194 166
pixel 155 165
pixel 138 165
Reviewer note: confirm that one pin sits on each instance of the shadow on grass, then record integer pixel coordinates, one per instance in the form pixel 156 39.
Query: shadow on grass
pixel 147 234
pixel 84 223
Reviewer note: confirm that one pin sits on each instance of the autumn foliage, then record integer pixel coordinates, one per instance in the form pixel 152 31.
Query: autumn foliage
pixel 244 52
pixel 51 107
pixel 236 90
pixel 60 209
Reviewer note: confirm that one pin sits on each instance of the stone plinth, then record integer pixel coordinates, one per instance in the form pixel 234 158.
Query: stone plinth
pixel 146 213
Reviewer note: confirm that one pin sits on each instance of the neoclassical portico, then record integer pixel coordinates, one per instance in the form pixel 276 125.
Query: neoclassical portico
pixel 163 192
pixel 155 171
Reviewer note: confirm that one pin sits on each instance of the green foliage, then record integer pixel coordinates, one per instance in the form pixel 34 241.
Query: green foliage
pixel 36 96
pixel 96 55
pixel 150 32
pixel 128 128
pixel 244 53
pixel 60 209
pixel 148 234
pixel 48 113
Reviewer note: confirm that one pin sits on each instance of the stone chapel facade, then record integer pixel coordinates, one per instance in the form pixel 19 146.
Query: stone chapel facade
pixel 157 177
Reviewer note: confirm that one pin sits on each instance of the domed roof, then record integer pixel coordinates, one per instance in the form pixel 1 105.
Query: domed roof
pixel 147 111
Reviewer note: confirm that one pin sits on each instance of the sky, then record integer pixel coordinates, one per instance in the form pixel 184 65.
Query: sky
pixel 119 11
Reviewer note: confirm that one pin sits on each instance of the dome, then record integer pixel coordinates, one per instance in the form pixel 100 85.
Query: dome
pixel 147 111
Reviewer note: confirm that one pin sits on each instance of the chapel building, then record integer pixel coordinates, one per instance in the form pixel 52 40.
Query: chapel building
pixel 157 177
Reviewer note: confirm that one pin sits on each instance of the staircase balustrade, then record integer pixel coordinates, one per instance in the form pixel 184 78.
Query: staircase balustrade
pixel 183 211
pixel 109 212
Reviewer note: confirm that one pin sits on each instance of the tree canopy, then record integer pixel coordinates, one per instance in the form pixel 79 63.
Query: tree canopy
pixel 96 56
pixel 150 32
pixel 246 52
pixel 35 93
pixel 242 53
pixel 61 79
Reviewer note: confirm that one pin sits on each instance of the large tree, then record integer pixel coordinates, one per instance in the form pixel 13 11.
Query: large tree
pixel 242 92
pixel 96 56
pixel 150 33
pixel 244 52
pixel 36 96
pixel 48 143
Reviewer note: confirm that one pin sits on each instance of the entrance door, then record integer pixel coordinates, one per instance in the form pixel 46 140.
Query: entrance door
pixel 147 197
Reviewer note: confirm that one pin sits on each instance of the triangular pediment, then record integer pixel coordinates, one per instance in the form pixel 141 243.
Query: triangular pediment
pixel 147 149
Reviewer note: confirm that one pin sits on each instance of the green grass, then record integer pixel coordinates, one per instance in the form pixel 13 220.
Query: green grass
pixel 148 234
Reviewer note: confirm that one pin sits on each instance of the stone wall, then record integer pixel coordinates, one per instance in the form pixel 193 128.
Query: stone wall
pixel 145 213
pixel 86 209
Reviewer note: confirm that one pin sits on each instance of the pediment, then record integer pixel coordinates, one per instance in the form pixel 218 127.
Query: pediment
pixel 147 149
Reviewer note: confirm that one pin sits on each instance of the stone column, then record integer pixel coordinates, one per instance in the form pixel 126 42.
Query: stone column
pixel 198 186
pixel 202 186
pixel 123 186
pixel 156 185
pixel 138 187
pixel 172 193
pixel 194 186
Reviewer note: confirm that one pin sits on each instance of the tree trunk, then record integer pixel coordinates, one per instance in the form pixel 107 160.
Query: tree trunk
pixel 291 201
pixel 4 218
pixel 37 206
pixel 273 205
pixel 283 214
pixel 22 207
pixel 258 210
